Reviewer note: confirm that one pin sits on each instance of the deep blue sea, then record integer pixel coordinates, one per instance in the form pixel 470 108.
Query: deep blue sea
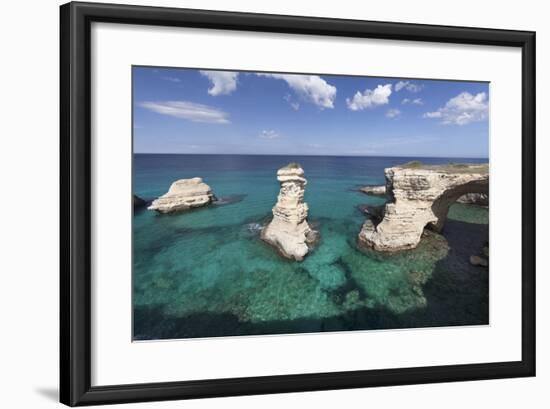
pixel 206 273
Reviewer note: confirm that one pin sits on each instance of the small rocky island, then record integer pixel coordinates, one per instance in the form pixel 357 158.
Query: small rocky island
pixel 184 194
pixel 419 196
pixel 289 230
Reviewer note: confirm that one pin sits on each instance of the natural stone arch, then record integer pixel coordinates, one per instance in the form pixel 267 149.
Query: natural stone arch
pixel 419 198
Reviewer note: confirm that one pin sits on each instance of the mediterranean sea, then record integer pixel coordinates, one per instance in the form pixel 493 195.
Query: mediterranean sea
pixel 206 273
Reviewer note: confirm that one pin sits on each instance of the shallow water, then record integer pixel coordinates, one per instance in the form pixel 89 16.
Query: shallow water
pixel 206 273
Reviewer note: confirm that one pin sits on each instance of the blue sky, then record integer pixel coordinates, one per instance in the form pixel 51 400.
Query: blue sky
pixel 193 111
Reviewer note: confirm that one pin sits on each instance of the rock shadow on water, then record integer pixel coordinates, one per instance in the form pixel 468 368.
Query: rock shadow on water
pixel 458 291
pixel 350 289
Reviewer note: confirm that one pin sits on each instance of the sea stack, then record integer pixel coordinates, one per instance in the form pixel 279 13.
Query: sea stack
pixel 184 194
pixel 289 230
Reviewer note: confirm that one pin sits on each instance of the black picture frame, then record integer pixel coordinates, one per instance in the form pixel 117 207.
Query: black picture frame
pixel 75 203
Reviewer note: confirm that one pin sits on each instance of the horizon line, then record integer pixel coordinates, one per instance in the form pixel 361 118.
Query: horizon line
pixel 286 154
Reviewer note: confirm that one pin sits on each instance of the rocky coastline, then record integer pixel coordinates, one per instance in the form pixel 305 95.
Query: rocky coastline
pixel 479 199
pixel 420 197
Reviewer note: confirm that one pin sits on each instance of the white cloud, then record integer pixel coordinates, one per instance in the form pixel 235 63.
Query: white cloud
pixel 416 101
pixel 393 113
pixel 294 104
pixel 463 109
pixel 435 114
pixel 188 110
pixel 171 79
pixel 269 134
pixel 400 85
pixel 223 82
pixel 311 88
pixel 370 98
pixel 409 86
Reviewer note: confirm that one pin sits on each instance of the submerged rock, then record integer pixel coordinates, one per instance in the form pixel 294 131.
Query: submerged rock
pixel 138 202
pixel 420 197
pixel 479 261
pixel 184 194
pixel 289 230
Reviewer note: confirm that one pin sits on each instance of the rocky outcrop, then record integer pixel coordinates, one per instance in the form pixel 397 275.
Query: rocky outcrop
pixel 138 202
pixel 184 194
pixel 419 198
pixel 289 230
pixel 374 190
pixel 479 199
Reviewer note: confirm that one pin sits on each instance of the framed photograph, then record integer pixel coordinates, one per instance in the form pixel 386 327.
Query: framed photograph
pixel 262 203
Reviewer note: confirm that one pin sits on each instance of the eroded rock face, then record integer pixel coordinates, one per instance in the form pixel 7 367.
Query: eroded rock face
pixel 289 230
pixel 419 198
pixel 184 194
pixel 480 199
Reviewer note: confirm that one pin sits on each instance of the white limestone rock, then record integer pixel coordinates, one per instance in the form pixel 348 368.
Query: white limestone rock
pixel 289 230
pixel 184 194
pixel 480 199
pixel 374 190
pixel 420 197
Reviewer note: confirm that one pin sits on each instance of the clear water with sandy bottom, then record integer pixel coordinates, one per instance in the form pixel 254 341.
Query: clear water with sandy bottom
pixel 206 273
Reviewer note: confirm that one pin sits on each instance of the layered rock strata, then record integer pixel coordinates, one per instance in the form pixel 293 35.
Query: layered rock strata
pixel 480 199
pixel 374 190
pixel 419 198
pixel 289 230
pixel 184 194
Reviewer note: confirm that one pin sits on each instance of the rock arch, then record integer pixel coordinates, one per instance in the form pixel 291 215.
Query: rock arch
pixel 419 198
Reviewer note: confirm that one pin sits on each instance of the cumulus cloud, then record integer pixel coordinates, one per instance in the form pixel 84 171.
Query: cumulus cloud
pixel 188 110
pixel 311 88
pixel 463 109
pixel 393 113
pixel 223 82
pixel 370 98
pixel 269 134
pixel 409 86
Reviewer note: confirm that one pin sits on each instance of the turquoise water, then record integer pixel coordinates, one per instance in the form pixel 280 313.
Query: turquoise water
pixel 206 273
